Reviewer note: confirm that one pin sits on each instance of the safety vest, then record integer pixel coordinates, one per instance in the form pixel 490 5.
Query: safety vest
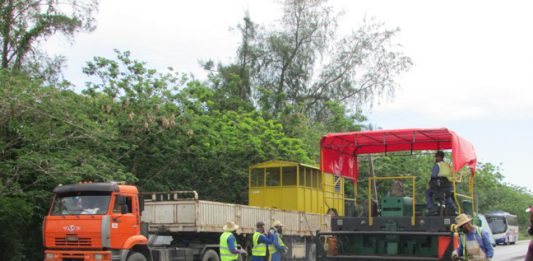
pixel 272 248
pixel 445 170
pixel 477 253
pixel 258 249
pixel 225 253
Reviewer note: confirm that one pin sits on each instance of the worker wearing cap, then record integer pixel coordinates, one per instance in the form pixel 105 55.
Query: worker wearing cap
pixel 441 169
pixel 228 244
pixel 278 248
pixel 529 255
pixel 260 241
pixel 474 243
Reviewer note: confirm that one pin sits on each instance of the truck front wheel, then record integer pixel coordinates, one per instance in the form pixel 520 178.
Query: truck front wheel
pixel 210 255
pixel 136 256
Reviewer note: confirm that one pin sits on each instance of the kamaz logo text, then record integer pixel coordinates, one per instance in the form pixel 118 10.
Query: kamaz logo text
pixel 71 228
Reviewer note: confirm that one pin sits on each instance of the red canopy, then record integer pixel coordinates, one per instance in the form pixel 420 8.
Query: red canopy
pixel 339 150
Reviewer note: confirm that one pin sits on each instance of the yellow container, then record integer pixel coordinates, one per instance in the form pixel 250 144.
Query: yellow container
pixel 295 186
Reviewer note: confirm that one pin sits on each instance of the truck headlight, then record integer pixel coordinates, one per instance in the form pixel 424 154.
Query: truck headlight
pixel 98 257
pixel 49 256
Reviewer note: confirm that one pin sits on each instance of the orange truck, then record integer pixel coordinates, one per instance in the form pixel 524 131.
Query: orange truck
pixel 111 221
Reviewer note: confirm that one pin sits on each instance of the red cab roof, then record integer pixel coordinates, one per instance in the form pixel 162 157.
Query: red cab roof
pixel 339 150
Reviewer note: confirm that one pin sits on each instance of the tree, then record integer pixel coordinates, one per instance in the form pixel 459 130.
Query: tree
pixel 180 135
pixel 302 64
pixel 25 23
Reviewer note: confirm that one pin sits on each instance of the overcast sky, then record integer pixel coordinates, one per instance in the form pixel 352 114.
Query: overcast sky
pixel 472 72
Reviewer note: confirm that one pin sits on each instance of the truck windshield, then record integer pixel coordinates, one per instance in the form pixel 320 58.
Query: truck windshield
pixel 81 204
pixel 497 224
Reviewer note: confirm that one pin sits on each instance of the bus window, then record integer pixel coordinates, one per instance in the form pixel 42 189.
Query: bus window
pixel 512 221
pixel 257 178
pixel 497 224
pixel 273 177
pixel 289 176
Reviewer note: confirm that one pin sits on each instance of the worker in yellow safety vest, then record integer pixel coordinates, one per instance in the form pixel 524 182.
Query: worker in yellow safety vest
pixel 260 241
pixel 278 248
pixel 474 243
pixel 441 170
pixel 228 243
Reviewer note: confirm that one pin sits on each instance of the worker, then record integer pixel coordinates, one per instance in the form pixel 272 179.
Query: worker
pixel 260 241
pixel 474 243
pixel 441 169
pixel 529 255
pixel 277 248
pixel 228 243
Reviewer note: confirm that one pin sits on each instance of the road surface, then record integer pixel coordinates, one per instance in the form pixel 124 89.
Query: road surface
pixel 511 252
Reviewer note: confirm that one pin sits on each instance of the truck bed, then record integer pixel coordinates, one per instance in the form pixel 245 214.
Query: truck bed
pixel 209 216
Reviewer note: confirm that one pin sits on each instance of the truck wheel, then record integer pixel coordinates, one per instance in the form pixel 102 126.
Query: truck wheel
pixel 136 256
pixel 311 253
pixel 210 255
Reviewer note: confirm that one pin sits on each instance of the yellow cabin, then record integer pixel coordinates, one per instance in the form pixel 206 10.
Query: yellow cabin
pixel 294 186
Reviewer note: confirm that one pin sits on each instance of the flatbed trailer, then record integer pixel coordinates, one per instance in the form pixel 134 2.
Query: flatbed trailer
pixel 200 220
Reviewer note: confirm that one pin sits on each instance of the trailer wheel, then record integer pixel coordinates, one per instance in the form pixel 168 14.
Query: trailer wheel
pixel 210 255
pixel 136 256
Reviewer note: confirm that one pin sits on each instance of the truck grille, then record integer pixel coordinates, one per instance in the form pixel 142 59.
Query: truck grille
pixel 73 240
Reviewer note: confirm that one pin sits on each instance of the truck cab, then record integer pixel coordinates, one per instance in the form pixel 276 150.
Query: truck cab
pixel 94 221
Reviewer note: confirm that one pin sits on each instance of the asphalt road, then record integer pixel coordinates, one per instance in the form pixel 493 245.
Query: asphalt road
pixel 511 252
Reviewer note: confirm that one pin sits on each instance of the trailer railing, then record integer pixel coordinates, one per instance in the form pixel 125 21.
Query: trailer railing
pixel 170 195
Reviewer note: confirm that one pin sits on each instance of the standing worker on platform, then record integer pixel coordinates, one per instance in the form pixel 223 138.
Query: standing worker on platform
pixel 260 241
pixel 278 248
pixel 474 243
pixel 443 170
pixel 228 243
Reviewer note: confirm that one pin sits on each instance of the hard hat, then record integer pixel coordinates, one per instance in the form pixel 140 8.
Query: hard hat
pixel 277 223
pixel 462 219
pixel 230 226
pixel 260 224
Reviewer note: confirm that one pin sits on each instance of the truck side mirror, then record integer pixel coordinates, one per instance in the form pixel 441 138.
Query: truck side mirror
pixel 141 204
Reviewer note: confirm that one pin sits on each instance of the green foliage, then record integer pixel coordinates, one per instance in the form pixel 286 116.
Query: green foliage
pixel 48 136
pixel 25 23
pixel 180 135
pixel 492 194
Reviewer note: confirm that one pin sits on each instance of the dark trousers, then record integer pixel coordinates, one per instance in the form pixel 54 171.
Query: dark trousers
pixel 449 200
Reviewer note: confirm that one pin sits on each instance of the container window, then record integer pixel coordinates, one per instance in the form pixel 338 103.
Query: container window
pixel 318 179
pixel 289 176
pixel 308 177
pixel 273 177
pixel 258 177
pixel 302 176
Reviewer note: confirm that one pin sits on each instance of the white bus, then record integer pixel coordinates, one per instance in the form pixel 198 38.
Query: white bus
pixel 504 227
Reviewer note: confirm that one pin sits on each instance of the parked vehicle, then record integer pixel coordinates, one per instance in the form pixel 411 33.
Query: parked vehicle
pixel 111 221
pixel 482 222
pixel 394 226
pixel 504 227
